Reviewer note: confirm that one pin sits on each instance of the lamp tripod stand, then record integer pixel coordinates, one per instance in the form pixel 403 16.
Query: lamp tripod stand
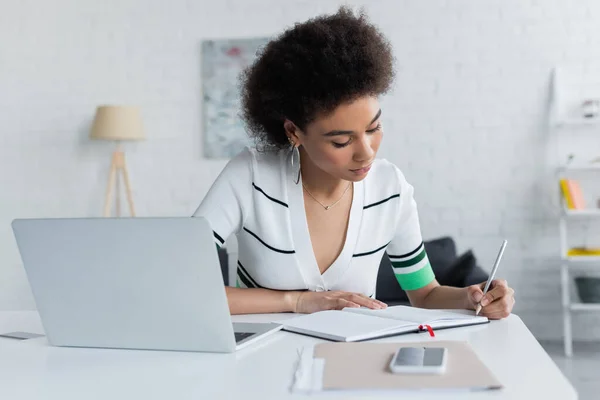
pixel 117 166
pixel 117 124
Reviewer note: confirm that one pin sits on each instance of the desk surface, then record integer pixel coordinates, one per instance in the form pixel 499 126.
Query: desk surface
pixel 31 369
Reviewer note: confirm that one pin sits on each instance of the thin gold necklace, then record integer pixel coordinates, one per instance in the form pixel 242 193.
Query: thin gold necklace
pixel 323 205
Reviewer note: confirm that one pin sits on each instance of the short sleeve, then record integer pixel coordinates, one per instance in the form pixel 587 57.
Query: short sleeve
pixel 406 250
pixel 226 201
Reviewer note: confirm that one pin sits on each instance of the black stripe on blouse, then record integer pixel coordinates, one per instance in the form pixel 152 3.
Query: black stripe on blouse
pixel 371 252
pixel 267 196
pixel 381 201
pixel 268 246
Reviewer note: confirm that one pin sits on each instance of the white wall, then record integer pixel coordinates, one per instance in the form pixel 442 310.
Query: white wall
pixel 465 122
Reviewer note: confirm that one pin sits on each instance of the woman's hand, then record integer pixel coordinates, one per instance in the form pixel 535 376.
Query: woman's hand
pixel 498 301
pixel 310 302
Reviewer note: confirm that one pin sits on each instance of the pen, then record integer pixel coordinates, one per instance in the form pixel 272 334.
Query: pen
pixel 489 281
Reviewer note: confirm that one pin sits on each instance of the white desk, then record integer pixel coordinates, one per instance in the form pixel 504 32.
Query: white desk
pixel 31 369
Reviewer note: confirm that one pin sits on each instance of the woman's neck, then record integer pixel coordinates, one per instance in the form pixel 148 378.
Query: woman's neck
pixel 319 182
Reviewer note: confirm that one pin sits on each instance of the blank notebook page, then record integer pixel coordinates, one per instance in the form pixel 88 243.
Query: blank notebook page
pixel 344 324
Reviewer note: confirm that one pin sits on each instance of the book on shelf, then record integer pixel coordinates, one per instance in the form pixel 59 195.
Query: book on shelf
pixel 572 194
pixel 583 251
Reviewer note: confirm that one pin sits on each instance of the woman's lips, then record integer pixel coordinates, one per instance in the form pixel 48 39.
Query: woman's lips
pixel 361 171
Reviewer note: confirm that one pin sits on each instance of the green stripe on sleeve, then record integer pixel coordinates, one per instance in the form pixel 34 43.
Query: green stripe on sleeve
pixel 416 280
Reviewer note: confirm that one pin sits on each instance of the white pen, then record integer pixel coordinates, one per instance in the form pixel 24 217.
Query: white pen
pixel 489 281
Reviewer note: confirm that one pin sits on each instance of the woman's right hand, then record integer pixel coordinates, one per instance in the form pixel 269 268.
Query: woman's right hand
pixel 310 302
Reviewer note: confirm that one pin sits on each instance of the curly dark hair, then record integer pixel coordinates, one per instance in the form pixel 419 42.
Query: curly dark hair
pixel 309 70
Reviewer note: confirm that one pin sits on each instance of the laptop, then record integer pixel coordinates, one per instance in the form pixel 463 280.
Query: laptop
pixel 131 283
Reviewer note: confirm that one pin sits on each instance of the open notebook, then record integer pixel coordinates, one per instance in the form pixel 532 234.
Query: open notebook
pixel 355 324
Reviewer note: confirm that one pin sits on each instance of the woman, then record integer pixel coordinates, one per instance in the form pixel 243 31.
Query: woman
pixel 313 209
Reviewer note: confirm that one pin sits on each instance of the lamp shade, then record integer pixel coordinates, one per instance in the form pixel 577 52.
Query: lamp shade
pixel 117 123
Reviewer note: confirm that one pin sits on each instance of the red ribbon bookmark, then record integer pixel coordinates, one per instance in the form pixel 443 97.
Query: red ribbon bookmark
pixel 428 328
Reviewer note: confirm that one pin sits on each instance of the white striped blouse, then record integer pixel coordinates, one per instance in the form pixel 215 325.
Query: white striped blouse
pixel 256 198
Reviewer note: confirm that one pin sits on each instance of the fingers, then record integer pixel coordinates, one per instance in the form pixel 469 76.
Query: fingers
pixel 499 289
pixel 309 302
pixel 499 282
pixel 475 294
pixel 501 307
pixel 341 303
pixel 361 300
pixel 365 301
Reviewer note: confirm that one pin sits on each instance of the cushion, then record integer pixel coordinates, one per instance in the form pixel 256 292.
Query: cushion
pixel 441 253
pixel 456 274
pixel 464 271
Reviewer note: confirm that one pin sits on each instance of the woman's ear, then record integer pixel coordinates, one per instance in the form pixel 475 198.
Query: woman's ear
pixel 292 132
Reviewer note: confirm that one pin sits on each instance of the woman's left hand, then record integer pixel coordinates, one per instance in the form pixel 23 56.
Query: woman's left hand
pixel 498 301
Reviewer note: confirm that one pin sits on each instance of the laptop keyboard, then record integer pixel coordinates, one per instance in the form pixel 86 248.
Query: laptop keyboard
pixel 239 336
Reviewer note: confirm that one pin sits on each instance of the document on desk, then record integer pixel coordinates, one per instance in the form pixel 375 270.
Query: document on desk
pixel 364 366
pixel 356 324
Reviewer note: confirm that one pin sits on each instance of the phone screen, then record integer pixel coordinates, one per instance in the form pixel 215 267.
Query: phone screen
pixel 420 356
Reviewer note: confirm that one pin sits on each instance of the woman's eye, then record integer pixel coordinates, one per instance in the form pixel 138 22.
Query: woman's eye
pixel 378 127
pixel 340 145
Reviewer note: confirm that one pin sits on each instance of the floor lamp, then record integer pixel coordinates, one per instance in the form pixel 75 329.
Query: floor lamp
pixel 118 124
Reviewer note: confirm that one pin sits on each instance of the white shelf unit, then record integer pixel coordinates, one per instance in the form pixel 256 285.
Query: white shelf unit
pixel 582 213
pixel 577 122
pixel 569 90
pixel 567 264
pixel 583 259
pixel 567 95
pixel 585 307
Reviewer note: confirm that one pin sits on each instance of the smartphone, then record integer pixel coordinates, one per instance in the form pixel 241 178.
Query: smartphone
pixel 419 360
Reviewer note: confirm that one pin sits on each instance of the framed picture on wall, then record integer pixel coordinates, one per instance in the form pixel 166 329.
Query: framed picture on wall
pixel 223 61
